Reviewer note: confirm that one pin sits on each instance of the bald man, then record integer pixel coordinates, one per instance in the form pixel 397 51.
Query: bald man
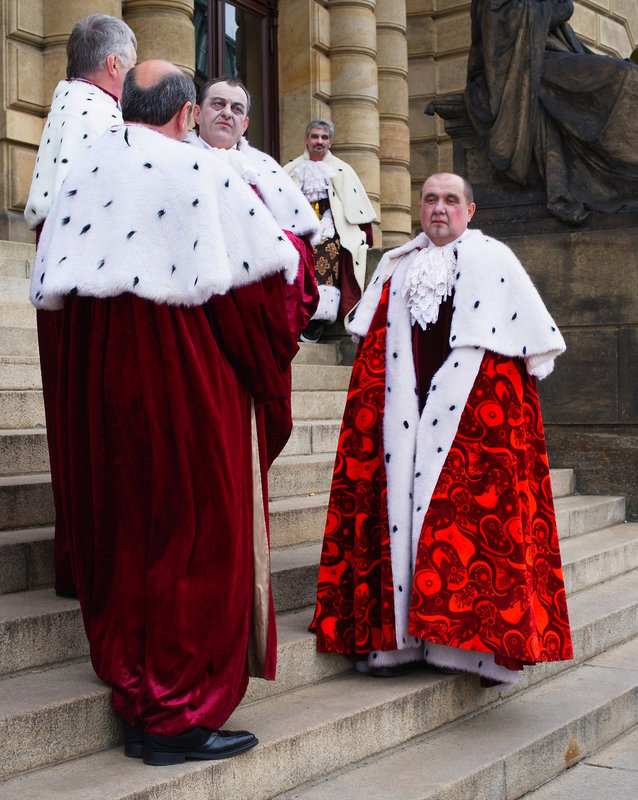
pixel 171 282
pixel 441 544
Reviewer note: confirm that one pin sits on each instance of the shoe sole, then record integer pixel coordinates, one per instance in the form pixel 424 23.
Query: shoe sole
pixel 166 759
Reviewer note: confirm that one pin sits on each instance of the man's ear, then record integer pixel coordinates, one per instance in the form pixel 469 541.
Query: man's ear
pixel 110 64
pixel 246 121
pixel 196 112
pixel 184 118
pixel 470 211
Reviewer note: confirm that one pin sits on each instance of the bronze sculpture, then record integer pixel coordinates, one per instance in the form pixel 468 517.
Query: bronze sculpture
pixel 534 91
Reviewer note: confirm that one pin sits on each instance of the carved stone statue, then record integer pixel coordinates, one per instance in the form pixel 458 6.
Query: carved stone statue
pixel 535 91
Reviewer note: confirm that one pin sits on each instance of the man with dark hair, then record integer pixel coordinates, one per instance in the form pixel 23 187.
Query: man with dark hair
pixel 337 195
pixel 441 543
pixel 171 282
pixel 221 119
pixel 100 50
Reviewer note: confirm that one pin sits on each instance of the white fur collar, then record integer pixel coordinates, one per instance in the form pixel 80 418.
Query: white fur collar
pixel 284 200
pixel 142 213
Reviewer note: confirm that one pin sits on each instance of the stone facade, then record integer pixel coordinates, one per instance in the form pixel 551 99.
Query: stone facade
pixel 371 66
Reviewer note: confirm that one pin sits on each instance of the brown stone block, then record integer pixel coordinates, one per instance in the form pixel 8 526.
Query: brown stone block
pixel 25 19
pixel 61 16
pixel 392 50
pixel 54 71
pixel 422 78
pixel 587 277
pixel 21 162
pixel 320 27
pixel 583 388
pixel 353 75
pixel 395 141
pixel 453 35
pixel 628 375
pixel 393 94
pixel 452 74
pixel 163 34
pixel 605 459
pixel 24 77
pixel 352 27
pixel 421 37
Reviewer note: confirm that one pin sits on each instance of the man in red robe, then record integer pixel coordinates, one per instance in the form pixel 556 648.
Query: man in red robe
pixel 441 542
pixel 100 51
pixel 171 280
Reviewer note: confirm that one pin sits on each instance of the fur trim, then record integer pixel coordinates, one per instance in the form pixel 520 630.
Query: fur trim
pixel 142 213
pixel 80 113
pixel 440 655
pixel 391 658
pixel 283 199
pixel 329 297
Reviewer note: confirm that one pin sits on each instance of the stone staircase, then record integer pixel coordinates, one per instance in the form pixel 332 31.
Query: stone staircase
pixel 324 731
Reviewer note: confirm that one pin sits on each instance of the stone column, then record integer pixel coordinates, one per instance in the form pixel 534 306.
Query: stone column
pixel 354 96
pixel 394 132
pixel 164 29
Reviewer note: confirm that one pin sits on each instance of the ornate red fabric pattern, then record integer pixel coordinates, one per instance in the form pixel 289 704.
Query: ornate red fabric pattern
pixel 355 605
pixel 488 573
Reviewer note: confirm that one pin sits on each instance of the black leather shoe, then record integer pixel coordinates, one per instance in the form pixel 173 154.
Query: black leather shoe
pixel 133 741
pixel 200 743
pixel 395 670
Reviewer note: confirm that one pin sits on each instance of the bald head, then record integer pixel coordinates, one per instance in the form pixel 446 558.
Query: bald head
pixel 154 93
pixel 150 73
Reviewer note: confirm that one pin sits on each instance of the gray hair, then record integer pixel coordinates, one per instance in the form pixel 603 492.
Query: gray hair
pixel 321 123
pixel 91 42
pixel 157 104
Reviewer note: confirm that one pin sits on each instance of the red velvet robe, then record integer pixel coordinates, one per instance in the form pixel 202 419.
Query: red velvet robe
pixel 488 573
pixel 154 446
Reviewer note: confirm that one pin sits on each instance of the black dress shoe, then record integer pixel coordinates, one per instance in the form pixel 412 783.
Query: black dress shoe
pixel 395 670
pixel 200 743
pixel 133 741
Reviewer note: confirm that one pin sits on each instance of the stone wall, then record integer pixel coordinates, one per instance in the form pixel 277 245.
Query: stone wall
pixel 439 39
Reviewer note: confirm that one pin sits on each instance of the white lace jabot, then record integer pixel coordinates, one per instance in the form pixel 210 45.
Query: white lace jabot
pixel 428 281
pixel 314 177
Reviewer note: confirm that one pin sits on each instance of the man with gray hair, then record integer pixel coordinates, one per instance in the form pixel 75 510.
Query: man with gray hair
pixel 100 51
pixel 334 190
pixel 169 276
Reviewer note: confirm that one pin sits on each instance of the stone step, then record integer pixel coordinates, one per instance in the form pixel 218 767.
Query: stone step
pixel 23 408
pixel 26 556
pixel 292 476
pixel 20 372
pixel 17 314
pixel 16 259
pixel 23 452
pixel 311 732
pixel 296 520
pixel 580 514
pixel 36 626
pixel 313 436
pixel 19 342
pixel 310 377
pixel 318 404
pixel 25 501
pixel 321 353
pixel 507 750
pixel 611 771
pixel 598 556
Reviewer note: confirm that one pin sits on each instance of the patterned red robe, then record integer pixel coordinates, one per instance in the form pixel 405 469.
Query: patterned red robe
pixel 487 570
